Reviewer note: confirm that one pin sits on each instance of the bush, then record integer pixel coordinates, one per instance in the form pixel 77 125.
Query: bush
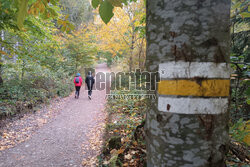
pixel 36 87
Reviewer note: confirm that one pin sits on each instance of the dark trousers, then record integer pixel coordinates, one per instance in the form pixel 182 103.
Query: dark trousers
pixel 90 90
pixel 78 90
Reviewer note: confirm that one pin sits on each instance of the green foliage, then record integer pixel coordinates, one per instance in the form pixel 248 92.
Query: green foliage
pixel 106 11
pixel 77 12
pixel 95 3
pixel 238 130
pixel 245 14
pixel 240 8
pixel 65 25
pixel 8 14
pixel 16 12
pixel 142 27
pixel 240 59
pixel 247 93
pixel 106 7
pixel 37 86
pixel 38 61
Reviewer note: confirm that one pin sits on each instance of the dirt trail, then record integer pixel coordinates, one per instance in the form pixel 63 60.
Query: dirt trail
pixel 59 142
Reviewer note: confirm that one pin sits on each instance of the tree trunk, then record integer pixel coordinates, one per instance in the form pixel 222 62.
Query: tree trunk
pixel 1 59
pixel 23 70
pixel 132 49
pixel 141 54
pixel 1 79
pixel 76 65
pixel 188 43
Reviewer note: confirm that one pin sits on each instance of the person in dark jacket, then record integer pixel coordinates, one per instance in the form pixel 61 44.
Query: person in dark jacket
pixel 90 82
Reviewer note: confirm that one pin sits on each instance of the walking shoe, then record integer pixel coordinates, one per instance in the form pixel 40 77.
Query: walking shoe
pixel 89 97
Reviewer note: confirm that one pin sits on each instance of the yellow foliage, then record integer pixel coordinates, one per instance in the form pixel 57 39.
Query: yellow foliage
pixel 119 35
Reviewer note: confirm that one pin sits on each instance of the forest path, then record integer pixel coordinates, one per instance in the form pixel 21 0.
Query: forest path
pixel 65 140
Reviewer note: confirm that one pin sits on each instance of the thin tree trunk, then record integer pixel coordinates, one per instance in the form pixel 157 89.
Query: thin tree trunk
pixel 15 57
pixel 188 43
pixel 139 58
pixel 1 79
pixel 141 53
pixel 132 49
pixel 1 59
pixel 23 70
pixel 76 65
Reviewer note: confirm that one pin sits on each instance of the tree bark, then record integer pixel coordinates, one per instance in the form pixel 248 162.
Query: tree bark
pixel 141 58
pixel 188 43
pixel 131 63
pixel 23 69
pixel 1 59
pixel 1 79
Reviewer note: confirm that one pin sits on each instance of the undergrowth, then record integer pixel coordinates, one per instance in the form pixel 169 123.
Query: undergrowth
pixel 24 94
pixel 124 138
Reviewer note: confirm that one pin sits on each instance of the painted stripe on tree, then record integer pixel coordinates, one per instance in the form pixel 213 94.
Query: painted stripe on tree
pixel 206 87
pixel 205 84
pixel 180 69
pixel 193 105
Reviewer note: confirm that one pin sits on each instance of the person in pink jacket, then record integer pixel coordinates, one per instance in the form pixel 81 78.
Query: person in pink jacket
pixel 78 84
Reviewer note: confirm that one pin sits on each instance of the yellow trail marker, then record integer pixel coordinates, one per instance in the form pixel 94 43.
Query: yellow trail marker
pixel 206 87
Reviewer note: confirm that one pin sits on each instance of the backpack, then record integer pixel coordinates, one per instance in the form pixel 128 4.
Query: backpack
pixel 77 80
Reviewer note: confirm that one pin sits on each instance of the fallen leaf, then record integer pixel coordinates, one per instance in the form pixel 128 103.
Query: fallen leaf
pixel 128 156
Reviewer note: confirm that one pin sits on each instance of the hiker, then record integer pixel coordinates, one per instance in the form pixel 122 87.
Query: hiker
pixel 78 84
pixel 90 82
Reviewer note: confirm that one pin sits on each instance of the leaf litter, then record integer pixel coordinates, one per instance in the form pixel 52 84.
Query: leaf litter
pixel 20 128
